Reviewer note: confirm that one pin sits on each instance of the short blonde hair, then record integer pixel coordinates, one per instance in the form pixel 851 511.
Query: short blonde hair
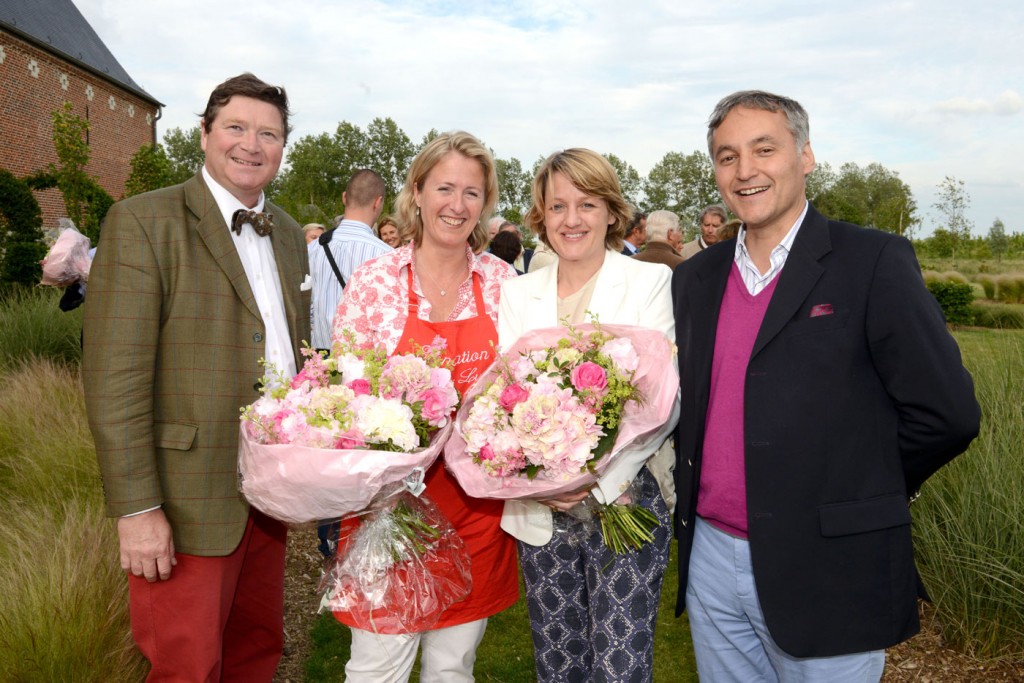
pixel 410 224
pixel 591 174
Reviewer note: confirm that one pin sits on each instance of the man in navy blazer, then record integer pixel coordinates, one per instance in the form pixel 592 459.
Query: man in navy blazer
pixel 820 389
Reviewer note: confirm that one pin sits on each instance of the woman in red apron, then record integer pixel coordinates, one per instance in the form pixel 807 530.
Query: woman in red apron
pixel 440 286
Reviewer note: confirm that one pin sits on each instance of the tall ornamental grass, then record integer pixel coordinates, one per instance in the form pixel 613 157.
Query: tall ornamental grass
pixel 969 520
pixel 63 596
pixel 32 326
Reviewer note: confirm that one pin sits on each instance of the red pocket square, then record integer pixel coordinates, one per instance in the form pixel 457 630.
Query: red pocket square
pixel 821 309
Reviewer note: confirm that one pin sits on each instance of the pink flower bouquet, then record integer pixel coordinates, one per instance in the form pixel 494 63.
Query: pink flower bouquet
pixel 68 260
pixel 554 411
pixel 351 436
pixel 321 445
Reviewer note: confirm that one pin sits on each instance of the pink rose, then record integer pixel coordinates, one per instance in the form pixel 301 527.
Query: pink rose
pixel 487 453
pixel 513 395
pixel 360 387
pixel 435 406
pixel 350 440
pixel 589 375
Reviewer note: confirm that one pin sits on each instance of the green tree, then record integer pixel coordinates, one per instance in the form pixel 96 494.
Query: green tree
pixel 21 234
pixel 872 196
pixel 682 183
pixel 70 133
pixel 629 179
pixel 819 182
pixel 514 189
pixel 390 151
pixel 150 170
pixel 319 168
pixel 952 204
pixel 998 242
pixel 184 150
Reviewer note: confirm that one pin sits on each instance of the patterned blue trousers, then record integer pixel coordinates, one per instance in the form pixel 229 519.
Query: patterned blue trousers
pixel 592 612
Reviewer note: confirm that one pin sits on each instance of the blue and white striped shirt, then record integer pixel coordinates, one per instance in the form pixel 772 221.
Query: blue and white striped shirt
pixel 352 245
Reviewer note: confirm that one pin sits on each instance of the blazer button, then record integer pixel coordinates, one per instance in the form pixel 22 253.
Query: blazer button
pixel 258 337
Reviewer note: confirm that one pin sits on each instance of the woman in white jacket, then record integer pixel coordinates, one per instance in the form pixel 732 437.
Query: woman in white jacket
pixel 592 612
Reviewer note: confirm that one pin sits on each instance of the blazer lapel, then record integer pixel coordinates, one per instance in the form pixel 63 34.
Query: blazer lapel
pixel 214 232
pixel 798 277
pixel 607 298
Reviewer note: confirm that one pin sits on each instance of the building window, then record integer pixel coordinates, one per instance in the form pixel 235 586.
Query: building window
pixel 89 93
pixel 63 81
pixel 33 68
pixel 3 55
pixel 131 111
pixel 112 103
pixel 149 119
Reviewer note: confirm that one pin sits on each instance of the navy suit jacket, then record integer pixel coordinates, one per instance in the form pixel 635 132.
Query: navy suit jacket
pixel 855 394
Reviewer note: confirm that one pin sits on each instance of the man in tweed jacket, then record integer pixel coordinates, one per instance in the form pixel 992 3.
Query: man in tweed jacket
pixel 181 310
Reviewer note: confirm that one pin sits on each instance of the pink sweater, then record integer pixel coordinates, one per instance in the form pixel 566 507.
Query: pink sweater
pixel 722 498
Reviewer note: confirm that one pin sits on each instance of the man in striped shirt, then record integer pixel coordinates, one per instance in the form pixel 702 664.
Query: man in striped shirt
pixel 351 244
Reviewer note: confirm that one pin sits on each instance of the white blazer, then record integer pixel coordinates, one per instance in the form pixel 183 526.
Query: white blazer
pixel 627 292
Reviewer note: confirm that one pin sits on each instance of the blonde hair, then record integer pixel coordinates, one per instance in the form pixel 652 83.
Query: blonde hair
pixel 591 174
pixel 410 224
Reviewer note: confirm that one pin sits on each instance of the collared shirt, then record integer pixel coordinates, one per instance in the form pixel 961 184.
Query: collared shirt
pixel 257 256
pixel 376 301
pixel 701 243
pixel 352 244
pixel 630 247
pixel 754 280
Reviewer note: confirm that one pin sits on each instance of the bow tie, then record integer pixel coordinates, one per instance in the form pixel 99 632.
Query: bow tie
pixel 262 223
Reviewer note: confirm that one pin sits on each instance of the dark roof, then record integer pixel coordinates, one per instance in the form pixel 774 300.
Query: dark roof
pixel 58 27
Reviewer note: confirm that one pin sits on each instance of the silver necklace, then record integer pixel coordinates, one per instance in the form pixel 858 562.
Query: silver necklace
pixel 443 290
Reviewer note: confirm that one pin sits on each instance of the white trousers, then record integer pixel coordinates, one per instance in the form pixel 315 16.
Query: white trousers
pixel 448 655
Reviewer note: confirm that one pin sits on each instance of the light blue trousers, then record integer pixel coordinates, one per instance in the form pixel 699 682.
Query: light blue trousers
pixel 730 639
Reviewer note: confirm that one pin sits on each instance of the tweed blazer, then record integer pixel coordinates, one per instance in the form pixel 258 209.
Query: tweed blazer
pixel 172 343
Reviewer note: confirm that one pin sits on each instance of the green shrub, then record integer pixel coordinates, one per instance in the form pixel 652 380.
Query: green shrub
pixel 32 326
pixel 969 520
pixel 988 284
pixel 954 276
pixel 1006 289
pixel 931 276
pixel 999 316
pixel 955 299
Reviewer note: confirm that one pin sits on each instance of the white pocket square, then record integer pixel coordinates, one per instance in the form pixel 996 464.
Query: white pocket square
pixel 307 284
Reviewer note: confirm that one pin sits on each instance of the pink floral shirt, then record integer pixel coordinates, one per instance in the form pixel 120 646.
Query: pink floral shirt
pixel 375 303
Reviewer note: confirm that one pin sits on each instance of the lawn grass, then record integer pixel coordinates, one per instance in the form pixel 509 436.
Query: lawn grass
pixel 506 653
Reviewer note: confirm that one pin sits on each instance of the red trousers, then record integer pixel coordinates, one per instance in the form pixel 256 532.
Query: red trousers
pixel 216 618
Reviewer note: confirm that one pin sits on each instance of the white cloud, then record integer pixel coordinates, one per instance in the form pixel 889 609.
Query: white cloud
pixel 926 88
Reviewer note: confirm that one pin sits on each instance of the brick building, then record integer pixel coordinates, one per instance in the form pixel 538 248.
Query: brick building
pixel 49 54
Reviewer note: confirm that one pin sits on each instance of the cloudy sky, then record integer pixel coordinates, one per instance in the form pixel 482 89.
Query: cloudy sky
pixel 928 89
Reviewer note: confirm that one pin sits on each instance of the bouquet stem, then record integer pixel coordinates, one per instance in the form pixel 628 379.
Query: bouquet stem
pixel 626 528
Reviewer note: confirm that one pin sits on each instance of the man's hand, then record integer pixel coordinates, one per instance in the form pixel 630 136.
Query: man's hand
pixel 147 548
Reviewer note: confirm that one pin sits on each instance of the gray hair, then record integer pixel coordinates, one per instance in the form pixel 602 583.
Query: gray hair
pixel 659 223
pixel 796 116
pixel 716 209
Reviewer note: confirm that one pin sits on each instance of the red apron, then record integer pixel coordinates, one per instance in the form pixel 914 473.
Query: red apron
pixel 492 552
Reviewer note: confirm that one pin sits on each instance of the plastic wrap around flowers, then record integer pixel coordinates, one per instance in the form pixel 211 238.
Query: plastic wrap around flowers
pixel 68 260
pixel 402 567
pixel 554 410
pixel 321 445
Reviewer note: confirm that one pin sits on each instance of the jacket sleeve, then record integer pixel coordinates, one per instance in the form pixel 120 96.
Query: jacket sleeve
pixel 121 329
pixel 920 365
